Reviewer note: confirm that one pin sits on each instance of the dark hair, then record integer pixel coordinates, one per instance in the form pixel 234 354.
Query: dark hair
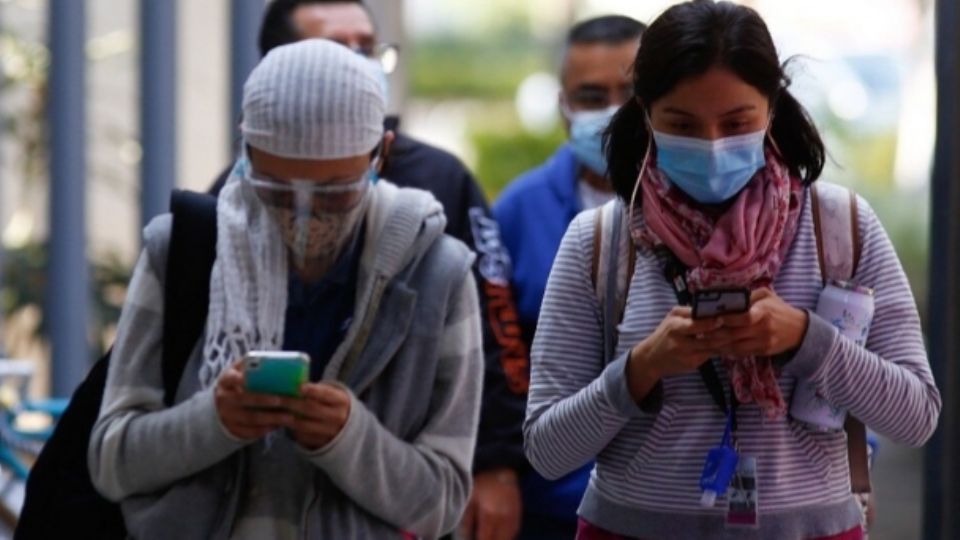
pixel 610 29
pixel 607 30
pixel 686 41
pixel 277 28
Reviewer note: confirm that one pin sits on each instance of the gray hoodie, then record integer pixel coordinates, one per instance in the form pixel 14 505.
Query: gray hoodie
pixel 412 361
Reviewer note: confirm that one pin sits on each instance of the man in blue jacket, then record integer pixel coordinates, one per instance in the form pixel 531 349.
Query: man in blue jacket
pixel 535 210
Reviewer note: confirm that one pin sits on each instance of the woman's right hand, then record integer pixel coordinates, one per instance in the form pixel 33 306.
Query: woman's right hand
pixel 247 415
pixel 680 344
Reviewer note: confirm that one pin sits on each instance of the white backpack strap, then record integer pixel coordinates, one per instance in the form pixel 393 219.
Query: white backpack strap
pixel 837 230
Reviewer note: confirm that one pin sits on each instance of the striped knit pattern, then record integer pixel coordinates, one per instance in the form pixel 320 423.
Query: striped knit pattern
pixel 579 408
pixel 314 99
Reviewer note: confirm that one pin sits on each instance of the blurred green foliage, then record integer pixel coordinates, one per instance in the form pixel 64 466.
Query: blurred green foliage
pixel 866 159
pixel 488 71
pixel 504 155
pixel 487 68
pixel 906 217
pixel 447 68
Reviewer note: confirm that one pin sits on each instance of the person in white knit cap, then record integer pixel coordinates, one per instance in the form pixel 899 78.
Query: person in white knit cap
pixel 314 254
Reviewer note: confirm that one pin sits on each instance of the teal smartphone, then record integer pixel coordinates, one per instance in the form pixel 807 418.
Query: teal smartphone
pixel 275 372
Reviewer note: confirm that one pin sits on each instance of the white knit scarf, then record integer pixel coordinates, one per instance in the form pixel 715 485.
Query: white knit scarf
pixel 248 283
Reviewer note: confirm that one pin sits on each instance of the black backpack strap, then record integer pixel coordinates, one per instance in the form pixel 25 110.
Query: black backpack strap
pixel 193 242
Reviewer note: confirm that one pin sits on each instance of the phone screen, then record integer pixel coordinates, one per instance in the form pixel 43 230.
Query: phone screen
pixel 712 302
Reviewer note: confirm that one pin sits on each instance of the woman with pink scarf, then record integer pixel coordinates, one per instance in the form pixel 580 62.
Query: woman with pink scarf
pixel 714 160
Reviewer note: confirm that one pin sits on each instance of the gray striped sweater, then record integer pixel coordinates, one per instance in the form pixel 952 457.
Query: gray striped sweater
pixel 646 481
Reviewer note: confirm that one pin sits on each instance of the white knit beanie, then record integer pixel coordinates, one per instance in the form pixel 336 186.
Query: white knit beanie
pixel 314 99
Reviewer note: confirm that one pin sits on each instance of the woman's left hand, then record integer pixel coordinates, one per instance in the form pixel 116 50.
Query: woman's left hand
pixel 770 327
pixel 319 414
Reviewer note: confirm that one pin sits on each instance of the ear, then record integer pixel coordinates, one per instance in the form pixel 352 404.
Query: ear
pixel 388 137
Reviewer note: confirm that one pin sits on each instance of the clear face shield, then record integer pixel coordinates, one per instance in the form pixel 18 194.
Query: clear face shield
pixel 315 219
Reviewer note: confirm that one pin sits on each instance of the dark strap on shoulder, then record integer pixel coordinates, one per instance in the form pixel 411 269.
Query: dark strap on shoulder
pixel 857 455
pixel 192 250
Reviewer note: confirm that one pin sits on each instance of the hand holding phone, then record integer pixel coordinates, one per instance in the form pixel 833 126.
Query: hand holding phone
pixel 770 326
pixel 275 372
pixel 320 414
pixel 247 415
pixel 714 302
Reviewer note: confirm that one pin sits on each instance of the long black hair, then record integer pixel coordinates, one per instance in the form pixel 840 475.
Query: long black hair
pixel 686 41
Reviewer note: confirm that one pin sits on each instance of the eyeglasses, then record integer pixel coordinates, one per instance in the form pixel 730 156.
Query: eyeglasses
pixel 387 54
pixel 596 98
pixel 301 194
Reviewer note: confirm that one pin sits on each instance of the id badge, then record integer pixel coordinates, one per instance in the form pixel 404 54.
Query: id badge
pixel 742 508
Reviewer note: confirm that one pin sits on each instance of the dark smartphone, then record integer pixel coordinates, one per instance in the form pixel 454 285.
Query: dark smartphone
pixel 712 302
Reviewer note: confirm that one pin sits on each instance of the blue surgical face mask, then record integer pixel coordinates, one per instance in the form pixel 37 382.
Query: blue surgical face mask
pixel 586 137
pixel 710 172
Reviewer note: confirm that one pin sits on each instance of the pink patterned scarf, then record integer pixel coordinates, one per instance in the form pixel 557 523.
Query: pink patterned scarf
pixel 743 247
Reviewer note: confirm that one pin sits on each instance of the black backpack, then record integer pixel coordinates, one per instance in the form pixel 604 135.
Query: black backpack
pixel 61 501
